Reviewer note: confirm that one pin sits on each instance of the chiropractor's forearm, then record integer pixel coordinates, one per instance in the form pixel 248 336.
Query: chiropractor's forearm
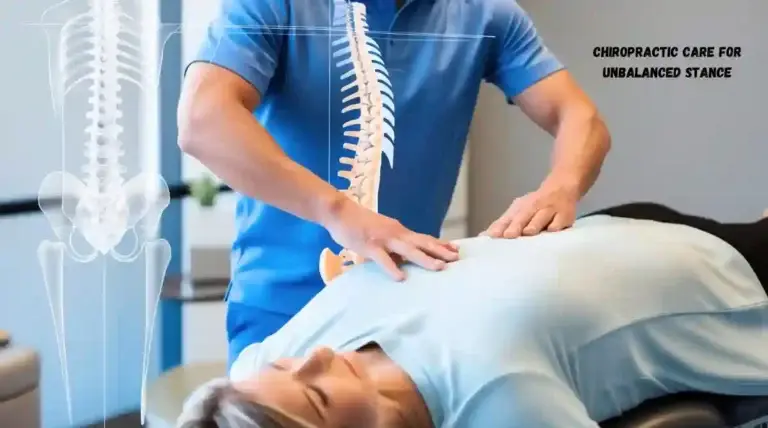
pixel 233 145
pixel 581 144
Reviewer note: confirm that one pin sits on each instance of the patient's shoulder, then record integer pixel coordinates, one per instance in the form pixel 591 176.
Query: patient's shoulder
pixel 247 363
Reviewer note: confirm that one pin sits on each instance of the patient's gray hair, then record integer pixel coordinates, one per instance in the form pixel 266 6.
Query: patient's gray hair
pixel 218 404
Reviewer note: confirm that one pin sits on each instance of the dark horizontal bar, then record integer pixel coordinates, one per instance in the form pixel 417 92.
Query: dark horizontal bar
pixel 26 206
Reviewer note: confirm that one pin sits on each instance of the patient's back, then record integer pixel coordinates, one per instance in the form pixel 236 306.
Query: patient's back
pixel 533 314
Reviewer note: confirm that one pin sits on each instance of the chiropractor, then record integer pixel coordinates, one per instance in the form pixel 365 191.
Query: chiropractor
pixel 261 108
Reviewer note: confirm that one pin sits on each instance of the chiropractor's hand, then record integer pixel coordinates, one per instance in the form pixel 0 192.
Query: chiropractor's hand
pixel 387 242
pixel 550 208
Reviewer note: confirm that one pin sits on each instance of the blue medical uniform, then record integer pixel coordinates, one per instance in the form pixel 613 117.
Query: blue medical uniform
pixel 442 51
pixel 557 330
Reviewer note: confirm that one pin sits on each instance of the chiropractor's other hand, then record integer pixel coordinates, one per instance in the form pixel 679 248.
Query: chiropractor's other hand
pixel 385 241
pixel 550 208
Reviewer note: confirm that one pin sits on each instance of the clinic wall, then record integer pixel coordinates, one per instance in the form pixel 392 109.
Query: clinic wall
pixel 30 148
pixel 695 145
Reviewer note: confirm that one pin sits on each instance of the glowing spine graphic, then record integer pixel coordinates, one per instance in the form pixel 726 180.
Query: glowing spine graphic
pixel 104 148
pixel 368 91
pixel 103 46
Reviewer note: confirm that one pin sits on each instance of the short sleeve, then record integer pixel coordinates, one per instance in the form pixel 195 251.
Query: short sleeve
pixel 520 59
pixel 246 38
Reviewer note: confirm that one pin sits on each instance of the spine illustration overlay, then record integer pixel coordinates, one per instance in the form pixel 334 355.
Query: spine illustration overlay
pixel 368 90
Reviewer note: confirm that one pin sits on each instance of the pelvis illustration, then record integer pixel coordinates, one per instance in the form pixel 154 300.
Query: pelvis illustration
pixel 97 46
pixel 369 91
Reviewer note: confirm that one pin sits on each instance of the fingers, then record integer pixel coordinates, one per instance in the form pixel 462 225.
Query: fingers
pixel 519 221
pixel 498 227
pixel 414 254
pixel 526 217
pixel 436 248
pixel 397 258
pixel 423 250
pixel 383 259
pixel 540 221
pixel 560 222
pixel 455 247
pixel 390 244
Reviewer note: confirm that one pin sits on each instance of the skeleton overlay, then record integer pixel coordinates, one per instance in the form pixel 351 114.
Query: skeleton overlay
pixel 104 46
pixel 370 92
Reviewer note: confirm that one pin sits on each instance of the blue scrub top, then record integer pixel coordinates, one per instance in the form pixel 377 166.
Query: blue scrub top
pixel 436 62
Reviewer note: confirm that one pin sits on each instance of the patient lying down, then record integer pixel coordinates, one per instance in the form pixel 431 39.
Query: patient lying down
pixel 559 330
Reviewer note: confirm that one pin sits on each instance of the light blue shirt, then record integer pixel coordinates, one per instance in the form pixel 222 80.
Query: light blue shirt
pixel 557 330
pixel 436 62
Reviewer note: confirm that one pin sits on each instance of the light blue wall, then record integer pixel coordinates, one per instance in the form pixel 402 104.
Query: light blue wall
pixel 170 318
pixel 30 148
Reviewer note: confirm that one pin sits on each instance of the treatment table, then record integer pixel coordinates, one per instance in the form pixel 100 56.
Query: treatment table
pixel 695 410
pixel 19 386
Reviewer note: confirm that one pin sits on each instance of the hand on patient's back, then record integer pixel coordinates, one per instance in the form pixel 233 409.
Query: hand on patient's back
pixel 550 209
pixel 385 241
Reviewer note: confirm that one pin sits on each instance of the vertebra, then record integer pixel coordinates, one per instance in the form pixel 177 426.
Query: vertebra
pixel 370 92
pixel 101 45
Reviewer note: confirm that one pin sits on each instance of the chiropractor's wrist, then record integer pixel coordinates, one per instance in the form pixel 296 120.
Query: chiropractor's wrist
pixel 567 182
pixel 328 207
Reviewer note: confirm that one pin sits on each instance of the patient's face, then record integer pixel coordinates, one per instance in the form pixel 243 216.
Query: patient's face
pixel 324 389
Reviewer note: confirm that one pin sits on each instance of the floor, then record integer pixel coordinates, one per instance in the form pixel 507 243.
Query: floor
pixel 130 420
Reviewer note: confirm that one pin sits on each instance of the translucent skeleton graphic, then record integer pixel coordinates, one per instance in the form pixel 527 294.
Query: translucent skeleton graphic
pixel 369 91
pixel 99 44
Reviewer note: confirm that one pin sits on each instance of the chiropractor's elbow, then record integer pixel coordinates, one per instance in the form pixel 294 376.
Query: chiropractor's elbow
pixel 606 142
pixel 208 95
pixel 603 134
pixel 194 116
pixel 592 121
